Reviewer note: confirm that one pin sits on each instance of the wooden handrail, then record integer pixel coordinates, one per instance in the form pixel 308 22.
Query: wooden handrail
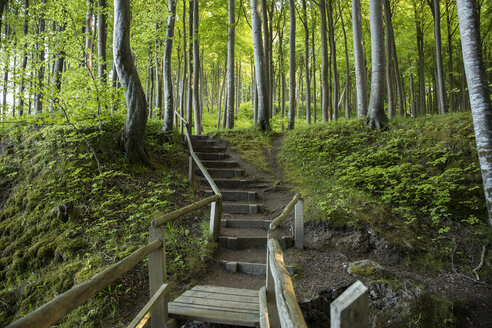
pixel 289 312
pixel 281 218
pixel 51 312
pixel 144 315
pixel 264 319
pixel 187 209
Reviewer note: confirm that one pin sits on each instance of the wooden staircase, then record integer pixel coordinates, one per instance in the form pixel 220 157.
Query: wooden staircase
pixel 242 238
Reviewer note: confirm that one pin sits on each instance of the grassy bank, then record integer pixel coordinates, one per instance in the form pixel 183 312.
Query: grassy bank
pixel 62 221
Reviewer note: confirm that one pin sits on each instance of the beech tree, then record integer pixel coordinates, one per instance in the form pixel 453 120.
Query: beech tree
pixel 360 67
pixel 260 72
pixel 230 67
pixel 168 85
pixel 292 65
pixel 136 117
pixel 479 92
pixel 376 115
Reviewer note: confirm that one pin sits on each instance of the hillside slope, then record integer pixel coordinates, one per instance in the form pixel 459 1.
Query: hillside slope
pixel 62 221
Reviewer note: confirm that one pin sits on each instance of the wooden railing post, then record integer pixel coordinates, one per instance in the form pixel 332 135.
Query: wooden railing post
pixel 157 275
pixel 351 309
pixel 190 170
pixel 299 224
pixel 215 218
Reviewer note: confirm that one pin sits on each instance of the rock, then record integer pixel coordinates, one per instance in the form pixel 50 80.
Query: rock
pixel 66 211
pixel 367 268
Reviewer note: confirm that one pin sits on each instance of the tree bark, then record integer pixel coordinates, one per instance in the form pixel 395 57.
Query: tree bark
pixel 219 108
pixel 333 52
pixel 260 73
pixel 136 118
pixel 190 68
pixel 377 116
pixel 450 57
pixel 88 36
pixel 479 92
pixel 38 104
pixel 324 63
pixel 266 57
pixel 441 88
pixel 420 49
pixel 22 86
pixel 168 83
pixel 347 68
pixel 360 67
pixel 101 38
pixel 196 69
pixel 230 66
pixel 292 65
pixel 314 73
pixel 389 59
pixel 57 70
pixel 306 63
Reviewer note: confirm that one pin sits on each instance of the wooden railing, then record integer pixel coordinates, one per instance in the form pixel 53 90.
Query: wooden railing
pixel 350 309
pixel 216 207
pixel 156 308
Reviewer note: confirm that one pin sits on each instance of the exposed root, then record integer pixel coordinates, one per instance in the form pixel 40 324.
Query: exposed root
pixel 464 275
pixel 480 265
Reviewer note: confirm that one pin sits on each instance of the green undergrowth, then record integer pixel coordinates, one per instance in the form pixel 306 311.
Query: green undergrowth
pixel 418 184
pixel 61 221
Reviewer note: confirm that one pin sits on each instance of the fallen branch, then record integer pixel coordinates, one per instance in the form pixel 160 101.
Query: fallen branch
pixel 461 274
pixel 480 265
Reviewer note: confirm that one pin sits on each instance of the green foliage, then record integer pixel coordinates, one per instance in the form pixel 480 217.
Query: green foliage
pixel 61 221
pixel 419 178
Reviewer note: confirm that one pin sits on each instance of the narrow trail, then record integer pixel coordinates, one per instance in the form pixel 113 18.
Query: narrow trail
pixel 251 199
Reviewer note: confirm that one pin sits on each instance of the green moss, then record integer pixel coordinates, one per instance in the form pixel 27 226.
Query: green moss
pixel 431 311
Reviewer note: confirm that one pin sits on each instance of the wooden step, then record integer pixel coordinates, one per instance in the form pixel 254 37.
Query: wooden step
pixel 246 242
pixel 212 156
pixel 256 269
pixel 222 305
pixel 209 149
pixel 246 224
pixel 222 173
pixel 220 164
pixel 234 195
pixel 241 208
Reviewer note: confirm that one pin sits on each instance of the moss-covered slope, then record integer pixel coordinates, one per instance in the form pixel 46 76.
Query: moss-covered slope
pixel 62 221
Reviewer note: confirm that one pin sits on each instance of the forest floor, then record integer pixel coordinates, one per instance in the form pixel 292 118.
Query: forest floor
pixel 400 295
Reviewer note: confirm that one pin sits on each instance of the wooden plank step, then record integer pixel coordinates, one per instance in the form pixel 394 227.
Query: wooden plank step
pixel 223 305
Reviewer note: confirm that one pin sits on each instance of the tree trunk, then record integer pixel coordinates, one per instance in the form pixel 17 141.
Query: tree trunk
pixel 261 80
pixel 57 71
pixel 88 36
pixel 314 74
pixel 22 86
pixel 158 74
pixel 168 83
pixel 266 57
pixel 377 116
pixel 190 68
pixel 347 67
pixel 333 52
pixel 219 108
pixel 230 66
pixel 478 91
pixel 420 48
pixel 324 63
pixel 360 68
pixel 38 105
pixel 136 118
pixel 389 58
pixel 450 58
pixel 292 65
pixel 441 88
pixel 412 97
pixel 101 38
pixel 196 69
pixel 306 63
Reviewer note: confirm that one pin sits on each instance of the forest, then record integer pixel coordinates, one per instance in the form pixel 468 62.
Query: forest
pixel 377 112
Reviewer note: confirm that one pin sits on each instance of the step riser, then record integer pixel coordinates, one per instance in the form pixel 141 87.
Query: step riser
pixel 223 173
pixel 232 184
pixel 246 224
pixel 205 149
pixel 212 156
pixel 203 143
pixel 255 269
pixel 235 195
pixel 220 165
pixel 247 242
pixel 242 208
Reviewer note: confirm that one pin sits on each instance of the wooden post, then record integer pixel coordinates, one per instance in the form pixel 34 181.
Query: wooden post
pixel 215 218
pixel 351 309
pixel 190 170
pixel 157 275
pixel 299 224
